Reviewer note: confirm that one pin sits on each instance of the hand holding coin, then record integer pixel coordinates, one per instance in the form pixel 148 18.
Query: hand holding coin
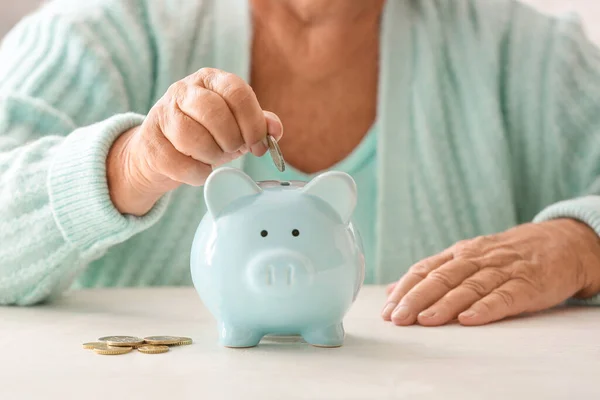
pixel 203 121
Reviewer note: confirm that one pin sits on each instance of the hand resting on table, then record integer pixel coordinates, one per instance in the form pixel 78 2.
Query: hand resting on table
pixel 528 268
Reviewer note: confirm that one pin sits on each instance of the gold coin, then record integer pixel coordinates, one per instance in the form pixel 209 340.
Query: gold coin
pixel 183 343
pixel 153 349
pixel 126 341
pixel 167 340
pixel 92 345
pixel 111 350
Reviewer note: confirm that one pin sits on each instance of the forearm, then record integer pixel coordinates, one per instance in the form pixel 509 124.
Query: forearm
pixel 66 82
pixel 57 215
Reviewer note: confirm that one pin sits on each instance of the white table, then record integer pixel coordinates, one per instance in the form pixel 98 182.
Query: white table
pixel 553 355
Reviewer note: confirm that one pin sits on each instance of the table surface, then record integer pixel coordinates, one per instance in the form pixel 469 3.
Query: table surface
pixel 550 355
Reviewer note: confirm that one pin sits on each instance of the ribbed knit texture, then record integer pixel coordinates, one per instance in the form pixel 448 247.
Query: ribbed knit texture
pixel 489 116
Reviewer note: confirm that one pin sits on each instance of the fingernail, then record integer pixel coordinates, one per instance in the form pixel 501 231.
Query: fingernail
pixel 274 125
pixel 258 149
pixel 244 149
pixel 387 310
pixel 427 314
pixel 468 314
pixel 401 313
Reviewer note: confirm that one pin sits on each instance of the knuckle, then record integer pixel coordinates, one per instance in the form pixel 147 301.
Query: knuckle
pixel 442 278
pixel 213 110
pixel 471 247
pixel 414 297
pixel 506 297
pixel 206 71
pixel 231 144
pixel 498 275
pixel 483 306
pixel 461 247
pixel 237 91
pixel 204 74
pixel 208 78
pixel 524 272
pixel 489 238
pixel 476 286
pixel 421 270
pixel 176 90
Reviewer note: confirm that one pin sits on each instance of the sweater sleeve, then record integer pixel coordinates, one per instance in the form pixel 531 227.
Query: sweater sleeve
pixel 574 112
pixel 71 81
pixel 558 85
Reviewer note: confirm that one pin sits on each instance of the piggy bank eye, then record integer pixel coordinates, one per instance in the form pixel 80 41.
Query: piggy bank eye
pixel 295 232
pixel 263 233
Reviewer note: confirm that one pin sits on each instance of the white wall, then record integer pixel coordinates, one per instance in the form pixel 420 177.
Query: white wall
pixel 12 10
pixel 588 10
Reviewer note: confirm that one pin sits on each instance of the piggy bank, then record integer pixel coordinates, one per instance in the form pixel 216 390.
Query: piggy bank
pixel 278 258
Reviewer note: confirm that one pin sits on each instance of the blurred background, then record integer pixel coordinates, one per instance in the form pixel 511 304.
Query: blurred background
pixel 589 10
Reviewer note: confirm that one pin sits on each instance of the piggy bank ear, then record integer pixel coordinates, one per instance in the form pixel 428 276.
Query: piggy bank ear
pixel 225 185
pixel 337 189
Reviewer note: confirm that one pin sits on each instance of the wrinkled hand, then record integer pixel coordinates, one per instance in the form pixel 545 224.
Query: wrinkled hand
pixel 528 268
pixel 204 120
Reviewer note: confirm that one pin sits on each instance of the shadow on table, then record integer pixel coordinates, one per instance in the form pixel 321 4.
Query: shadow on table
pixel 354 347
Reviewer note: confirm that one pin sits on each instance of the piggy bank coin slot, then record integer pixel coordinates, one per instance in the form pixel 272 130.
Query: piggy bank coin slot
pixel 285 184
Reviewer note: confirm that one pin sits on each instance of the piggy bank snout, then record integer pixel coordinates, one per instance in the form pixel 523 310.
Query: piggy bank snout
pixel 279 271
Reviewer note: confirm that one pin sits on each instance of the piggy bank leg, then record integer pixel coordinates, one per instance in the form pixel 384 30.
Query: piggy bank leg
pixel 231 335
pixel 329 336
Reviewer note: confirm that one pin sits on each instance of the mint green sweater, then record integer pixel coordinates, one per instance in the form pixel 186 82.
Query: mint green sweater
pixel 488 116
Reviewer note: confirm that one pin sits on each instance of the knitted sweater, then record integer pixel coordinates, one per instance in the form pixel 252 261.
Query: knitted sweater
pixel 488 116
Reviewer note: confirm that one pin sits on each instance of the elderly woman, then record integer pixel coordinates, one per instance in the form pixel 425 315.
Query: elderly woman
pixel 472 129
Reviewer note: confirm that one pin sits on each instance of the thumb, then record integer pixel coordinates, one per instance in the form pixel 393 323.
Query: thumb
pixel 274 125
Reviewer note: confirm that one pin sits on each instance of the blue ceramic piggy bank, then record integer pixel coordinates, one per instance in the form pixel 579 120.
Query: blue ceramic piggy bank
pixel 278 258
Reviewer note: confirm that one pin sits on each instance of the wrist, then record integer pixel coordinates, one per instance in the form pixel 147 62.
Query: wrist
pixel 126 194
pixel 586 245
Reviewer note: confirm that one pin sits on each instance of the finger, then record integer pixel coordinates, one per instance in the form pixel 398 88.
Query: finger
pixel 211 111
pixel 274 125
pixel 457 300
pixel 191 138
pixel 415 274
pixel 164 159
pixel 242 101
pixel 230 157
pixel 389 288
pixel 510 299
pixel 437 283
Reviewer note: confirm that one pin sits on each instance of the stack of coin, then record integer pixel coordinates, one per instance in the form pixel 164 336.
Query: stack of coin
pixel 115 345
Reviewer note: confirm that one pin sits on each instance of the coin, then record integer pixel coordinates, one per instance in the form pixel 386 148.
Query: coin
pixel 167 340
pixel 127 341
pixel 276 154
pixel 91 345
pixel 183 343
pixel 153 349
pixel 107 350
